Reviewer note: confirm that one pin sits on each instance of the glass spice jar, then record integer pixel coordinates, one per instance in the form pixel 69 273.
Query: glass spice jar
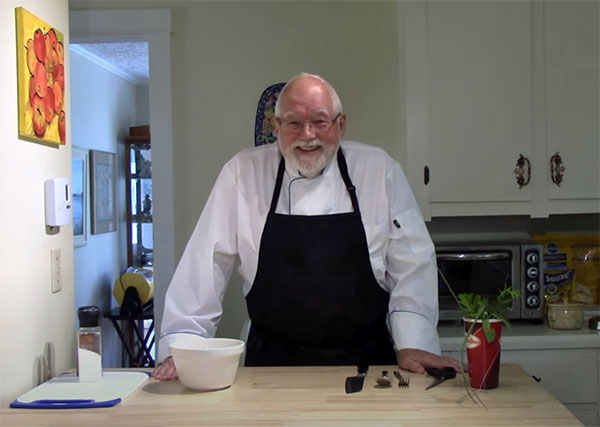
pixel 89 345
pixel 565 315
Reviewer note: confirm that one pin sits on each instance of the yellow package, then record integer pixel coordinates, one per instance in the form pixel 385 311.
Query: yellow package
pixel 571 267
pixel 584 256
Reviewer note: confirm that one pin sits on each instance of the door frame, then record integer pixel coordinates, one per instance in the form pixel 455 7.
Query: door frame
pixel 154 27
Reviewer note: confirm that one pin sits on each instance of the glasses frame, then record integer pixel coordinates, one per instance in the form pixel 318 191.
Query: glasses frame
pixel 308 122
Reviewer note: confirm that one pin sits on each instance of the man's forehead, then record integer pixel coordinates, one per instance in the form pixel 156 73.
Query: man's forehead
pixel 312 113
pixel 306 93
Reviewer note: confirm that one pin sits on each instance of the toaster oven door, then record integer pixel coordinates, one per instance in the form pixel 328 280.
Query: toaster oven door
pixel 485 271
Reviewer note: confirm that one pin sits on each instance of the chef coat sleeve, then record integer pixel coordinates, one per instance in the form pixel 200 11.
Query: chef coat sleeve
pixel 410 269
pixel 193 302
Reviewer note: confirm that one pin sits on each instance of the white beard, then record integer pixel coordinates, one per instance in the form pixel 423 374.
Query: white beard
pixel 308 166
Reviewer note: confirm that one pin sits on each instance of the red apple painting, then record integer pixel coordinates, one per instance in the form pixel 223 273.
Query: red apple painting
pixel 41 80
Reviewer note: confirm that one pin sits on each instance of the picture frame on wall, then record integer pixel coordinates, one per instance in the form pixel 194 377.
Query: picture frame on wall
pixel 40 80
pixel 79 188
pixel 103 178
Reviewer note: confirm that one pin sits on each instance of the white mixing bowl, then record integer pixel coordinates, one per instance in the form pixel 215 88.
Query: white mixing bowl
pixel 206 363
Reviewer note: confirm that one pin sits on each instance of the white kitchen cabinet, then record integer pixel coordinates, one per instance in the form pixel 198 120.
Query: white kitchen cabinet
pixel 479 77
pixel 489 84
pixel 571 46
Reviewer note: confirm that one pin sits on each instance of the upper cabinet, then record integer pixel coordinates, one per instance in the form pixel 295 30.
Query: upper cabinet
pixel 571 46
pixel 502 107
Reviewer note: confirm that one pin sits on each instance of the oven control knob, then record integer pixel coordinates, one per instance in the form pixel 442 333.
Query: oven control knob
pixel 532 258
pixel 532 301
pixel 532 272
pixel 533 287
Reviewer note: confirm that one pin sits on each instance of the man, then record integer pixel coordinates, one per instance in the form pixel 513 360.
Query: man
pixel 331 245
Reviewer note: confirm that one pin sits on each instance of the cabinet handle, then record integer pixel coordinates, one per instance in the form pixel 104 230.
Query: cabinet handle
pixel 556 169
pixel 426 175
pixel 523 167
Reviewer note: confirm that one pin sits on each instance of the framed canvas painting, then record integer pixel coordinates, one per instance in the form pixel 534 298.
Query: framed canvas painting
pixel 40 80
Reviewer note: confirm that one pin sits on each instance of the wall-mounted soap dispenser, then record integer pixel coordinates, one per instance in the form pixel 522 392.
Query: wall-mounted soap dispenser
pixel 58 202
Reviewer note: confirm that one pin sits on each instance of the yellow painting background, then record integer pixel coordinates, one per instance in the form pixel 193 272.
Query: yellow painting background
pixel 27 23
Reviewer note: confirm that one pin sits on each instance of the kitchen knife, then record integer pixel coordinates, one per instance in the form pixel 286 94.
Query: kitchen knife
pixel 355 383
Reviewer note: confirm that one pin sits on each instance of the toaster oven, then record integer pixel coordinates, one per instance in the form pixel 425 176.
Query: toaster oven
pixel 487 269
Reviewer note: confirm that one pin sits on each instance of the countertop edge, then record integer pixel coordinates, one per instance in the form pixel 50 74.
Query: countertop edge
pixel 526 337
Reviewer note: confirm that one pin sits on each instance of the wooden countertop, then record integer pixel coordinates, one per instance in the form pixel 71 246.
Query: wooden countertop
pixel 316 396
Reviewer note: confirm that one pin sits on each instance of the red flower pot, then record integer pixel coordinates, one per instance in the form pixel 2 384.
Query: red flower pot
pixel 483 357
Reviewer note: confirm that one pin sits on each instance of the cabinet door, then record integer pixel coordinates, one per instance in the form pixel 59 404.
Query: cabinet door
pixel 572 93
pixel 480 99
pixel 570 375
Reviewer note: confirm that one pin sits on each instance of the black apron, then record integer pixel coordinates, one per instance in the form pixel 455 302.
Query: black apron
pixel 315 300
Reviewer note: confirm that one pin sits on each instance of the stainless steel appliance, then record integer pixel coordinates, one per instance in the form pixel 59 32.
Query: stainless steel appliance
pixel 486 269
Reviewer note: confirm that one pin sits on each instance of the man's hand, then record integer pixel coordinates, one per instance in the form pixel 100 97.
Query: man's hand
pixel 416 361
pixel 166 371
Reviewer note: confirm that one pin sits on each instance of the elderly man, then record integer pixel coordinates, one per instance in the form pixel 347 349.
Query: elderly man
pixel 338 265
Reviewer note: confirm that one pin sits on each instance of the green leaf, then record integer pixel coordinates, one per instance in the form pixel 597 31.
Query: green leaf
pixel 490 333
pixel 504 320
pixel 477 306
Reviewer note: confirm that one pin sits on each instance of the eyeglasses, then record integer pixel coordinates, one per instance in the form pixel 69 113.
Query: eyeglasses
pixel 321 125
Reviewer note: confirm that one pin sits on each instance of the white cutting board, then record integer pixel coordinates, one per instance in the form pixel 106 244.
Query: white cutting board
pixel 65 391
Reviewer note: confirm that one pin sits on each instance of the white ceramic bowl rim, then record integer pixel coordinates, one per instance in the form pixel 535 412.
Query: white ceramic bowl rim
pixel 206 347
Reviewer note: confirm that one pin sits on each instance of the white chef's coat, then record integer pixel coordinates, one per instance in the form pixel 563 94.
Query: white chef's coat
pixel 231 225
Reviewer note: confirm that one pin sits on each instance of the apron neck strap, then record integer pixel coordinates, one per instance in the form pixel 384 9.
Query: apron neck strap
pixel 346 177
pixel 278 182
pixel 343 170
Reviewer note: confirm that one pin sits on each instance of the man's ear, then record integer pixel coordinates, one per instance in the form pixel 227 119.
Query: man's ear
pixel 342 124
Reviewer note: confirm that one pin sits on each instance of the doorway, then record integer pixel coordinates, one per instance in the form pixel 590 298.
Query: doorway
pixel 152 27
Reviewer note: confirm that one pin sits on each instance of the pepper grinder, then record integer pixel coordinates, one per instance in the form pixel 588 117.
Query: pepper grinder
pixel 89 345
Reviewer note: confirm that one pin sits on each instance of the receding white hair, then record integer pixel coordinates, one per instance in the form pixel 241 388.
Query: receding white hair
pixel 335 99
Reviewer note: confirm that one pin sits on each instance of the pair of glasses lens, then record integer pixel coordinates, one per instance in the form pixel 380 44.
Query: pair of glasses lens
pixel 318 125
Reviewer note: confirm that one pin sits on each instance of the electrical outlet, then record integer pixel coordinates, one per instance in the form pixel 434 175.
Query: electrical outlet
pixel 56 270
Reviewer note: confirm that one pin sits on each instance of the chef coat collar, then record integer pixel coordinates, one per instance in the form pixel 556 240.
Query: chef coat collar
pixel 327 171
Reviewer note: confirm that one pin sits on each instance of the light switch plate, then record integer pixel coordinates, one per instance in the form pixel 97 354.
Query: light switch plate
pixel 56 270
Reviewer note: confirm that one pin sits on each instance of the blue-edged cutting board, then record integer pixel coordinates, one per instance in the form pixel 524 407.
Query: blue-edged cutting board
pixel 66 392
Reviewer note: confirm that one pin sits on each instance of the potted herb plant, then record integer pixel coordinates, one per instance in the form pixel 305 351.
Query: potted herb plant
pixel 483 317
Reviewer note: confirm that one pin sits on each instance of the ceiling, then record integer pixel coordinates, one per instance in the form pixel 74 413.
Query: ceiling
pixel 128 60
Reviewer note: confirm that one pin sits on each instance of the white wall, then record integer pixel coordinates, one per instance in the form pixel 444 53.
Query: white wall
pixel 142 94
pixel 36 326
pixel 104 107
